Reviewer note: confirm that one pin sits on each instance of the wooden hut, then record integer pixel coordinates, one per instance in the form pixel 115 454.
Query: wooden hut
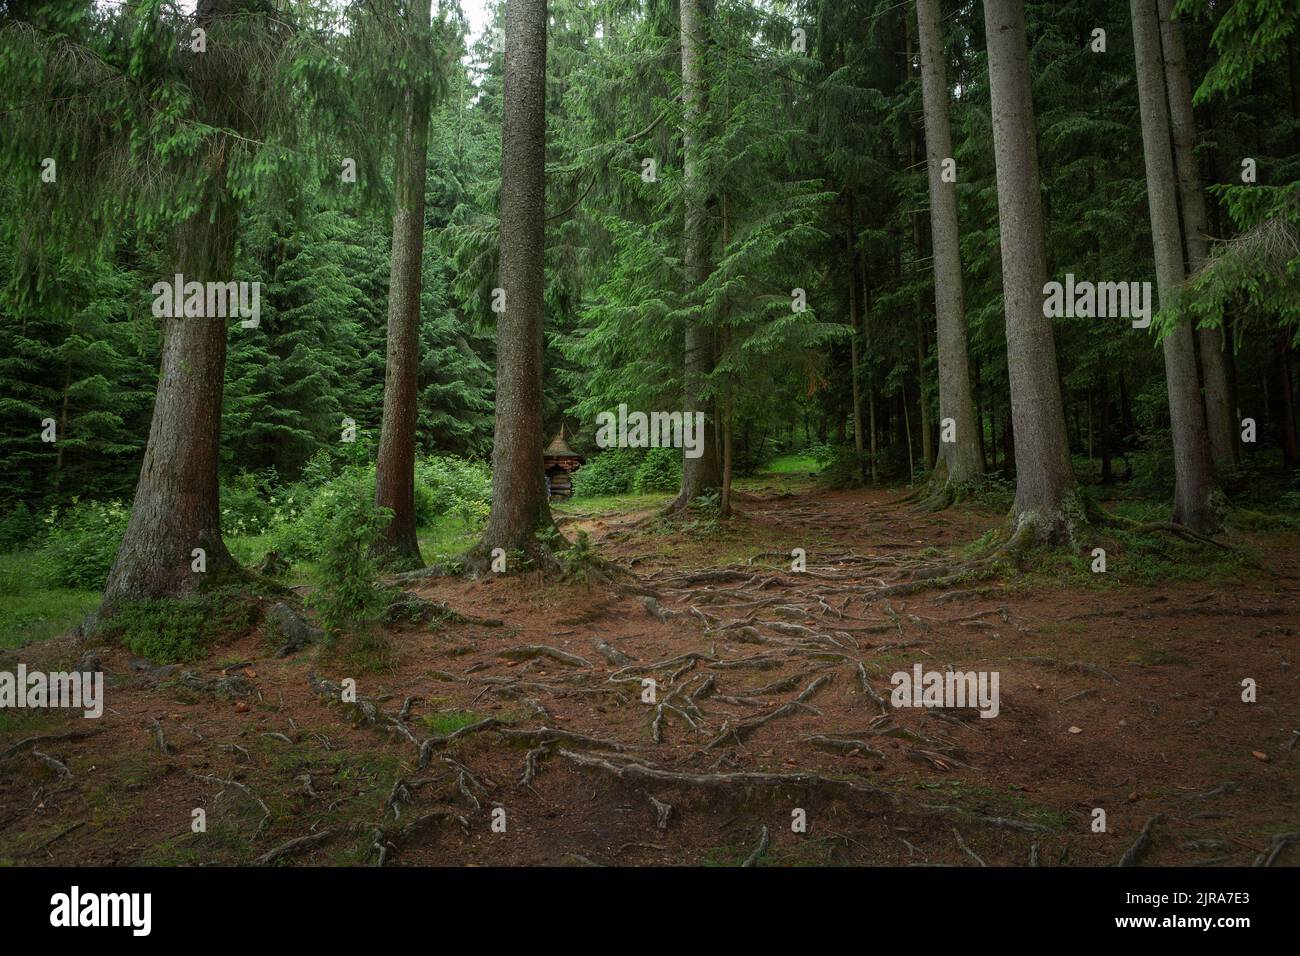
pixel 561 462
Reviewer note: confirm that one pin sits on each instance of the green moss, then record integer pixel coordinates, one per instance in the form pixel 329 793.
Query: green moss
pixel 181 630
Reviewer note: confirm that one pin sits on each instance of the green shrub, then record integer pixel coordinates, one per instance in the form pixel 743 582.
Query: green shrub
pixel 825 454
pixel 319 468
pixel 347 593
pixel 452 486
pixel 609 473
pixel 245 505
pixel 302 536
pixel 82 543
pixel 660 470
pixel 20 528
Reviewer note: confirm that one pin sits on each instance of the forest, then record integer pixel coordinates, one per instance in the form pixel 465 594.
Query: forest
pixel 649 433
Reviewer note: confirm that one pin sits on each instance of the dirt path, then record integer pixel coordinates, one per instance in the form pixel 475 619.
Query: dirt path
pixel 537 741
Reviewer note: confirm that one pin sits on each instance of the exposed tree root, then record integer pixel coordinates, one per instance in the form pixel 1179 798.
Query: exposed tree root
pixel 42 738
pixel 1133 855
pixel 293 847
pixel 644 773
pixel 663 812
pixel 160 738
pixel 967 850
pixel 1279 843
pixel 266 811
pixel 532 651
pixel 612 654
pixel 845 745
pixel 759 850
pixel 57 766
pixel 747 727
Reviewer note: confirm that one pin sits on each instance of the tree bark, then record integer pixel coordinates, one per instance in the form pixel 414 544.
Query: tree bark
pixel 1044 480
pixel 395 468
pixel 1285 404
pixel 1107 472
pixel 963 457
pixel 699 475
pixel 918 247
pixel 858 446
pixel 1194 477
pixel 1214 375
pixel 871 375
pixel 519 506
pixel 177 501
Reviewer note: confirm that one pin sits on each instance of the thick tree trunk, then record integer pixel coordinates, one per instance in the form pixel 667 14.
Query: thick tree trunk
pixel 725 506
pixel 858 446
pixel 922 350
pixel 1107 472
pixel 519 506
pixel 907 433
pixel 1214 374
pixel 871 376
pixel 177 501
pixel 395 469
pixel 699 475
pixel 1285 405
pixel 962 457
pixel 1044 480
pixel 1194 476
pixel 918 247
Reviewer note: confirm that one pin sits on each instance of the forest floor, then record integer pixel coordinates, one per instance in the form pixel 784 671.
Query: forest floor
pixel 1118 692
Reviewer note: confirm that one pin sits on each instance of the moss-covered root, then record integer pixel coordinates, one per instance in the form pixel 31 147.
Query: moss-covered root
pixel 1106 519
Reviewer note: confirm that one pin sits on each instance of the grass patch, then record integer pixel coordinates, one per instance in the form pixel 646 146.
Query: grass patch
pixel 445 538
pixel 446 722
pixel 793 464
pixel 31 610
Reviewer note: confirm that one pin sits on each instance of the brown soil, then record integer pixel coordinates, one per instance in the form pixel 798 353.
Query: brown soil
pixel 1113 696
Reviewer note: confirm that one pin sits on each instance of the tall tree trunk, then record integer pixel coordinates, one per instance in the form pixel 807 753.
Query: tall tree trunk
pixel 177 500
pixel 395 469
pixel 1194 477
pixel 922 350
pixel 918 248
pixel 728 408
pixel 1285 404
pixel 962 457
pixel 1044 480
pixel 698 474
pixel 177 506
pixel 853 347
pixel 907 433
pixel 519 506
pixel 1212 342
pixel 1107 473
pixel 871 374
pixel 725 506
